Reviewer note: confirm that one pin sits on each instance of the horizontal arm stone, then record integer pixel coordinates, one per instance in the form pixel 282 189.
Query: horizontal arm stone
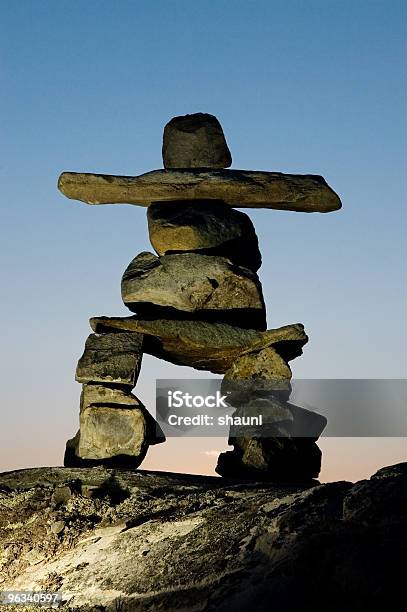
pixel 203 345
pixel 238 188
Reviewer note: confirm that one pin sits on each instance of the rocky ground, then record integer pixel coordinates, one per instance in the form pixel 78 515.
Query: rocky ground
pixel 119 540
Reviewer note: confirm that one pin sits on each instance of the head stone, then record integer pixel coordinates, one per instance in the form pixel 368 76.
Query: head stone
pixel 195 141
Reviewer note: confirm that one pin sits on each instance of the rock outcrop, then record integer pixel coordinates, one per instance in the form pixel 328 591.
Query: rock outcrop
pixel 111 540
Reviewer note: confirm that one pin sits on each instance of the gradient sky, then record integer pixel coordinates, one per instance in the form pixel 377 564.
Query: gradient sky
pixel 316 86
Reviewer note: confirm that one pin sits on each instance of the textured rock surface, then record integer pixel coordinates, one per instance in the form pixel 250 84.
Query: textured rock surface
pixel 209 227
pixel 202 345
pixel 103 396
pixel 239 188
pixel 195 141
pixel 115 429
pixel 107 432
pixel 209 288
pixel 277 459
pixel 281 448
pixel 279 418
pixel 155 541
pixel 256 373
pixel 111 358
pixel 114 435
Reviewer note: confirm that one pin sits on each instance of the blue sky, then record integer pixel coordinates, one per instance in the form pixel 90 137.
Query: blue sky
pixel 305 87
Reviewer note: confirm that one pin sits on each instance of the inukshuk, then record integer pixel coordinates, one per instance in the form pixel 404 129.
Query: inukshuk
pixel 198 302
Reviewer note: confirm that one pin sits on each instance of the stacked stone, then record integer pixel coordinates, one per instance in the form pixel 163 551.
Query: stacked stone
pixel 115 427
pixel 198 302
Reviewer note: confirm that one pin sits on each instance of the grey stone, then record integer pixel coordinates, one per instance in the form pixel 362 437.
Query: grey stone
pixel 226 545
pixel 279 419
pixel 305 422
pixel 111 358
pixel 259 372
pixel 115 429
pixel 276 458
pixel 380 500
pixel 107 432
pixel 276 420
pixel 57 527
pixel 238 188
pixel 71 458
pixel 195 141
pixel 208 227
pixel 34 557
pixel 207 287
pixel 104 396
pixel 279 447
pixel 203 345
pixel 62 495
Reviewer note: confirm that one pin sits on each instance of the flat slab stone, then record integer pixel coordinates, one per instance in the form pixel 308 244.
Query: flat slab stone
pixel 203 345
pixel 204 287
pixel 104 396
pixel 238 188
pixel 111 358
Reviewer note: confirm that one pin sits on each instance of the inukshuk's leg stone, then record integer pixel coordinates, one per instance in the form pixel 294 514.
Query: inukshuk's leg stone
pixel 115 427
pixel 111 359
pixel 283 448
